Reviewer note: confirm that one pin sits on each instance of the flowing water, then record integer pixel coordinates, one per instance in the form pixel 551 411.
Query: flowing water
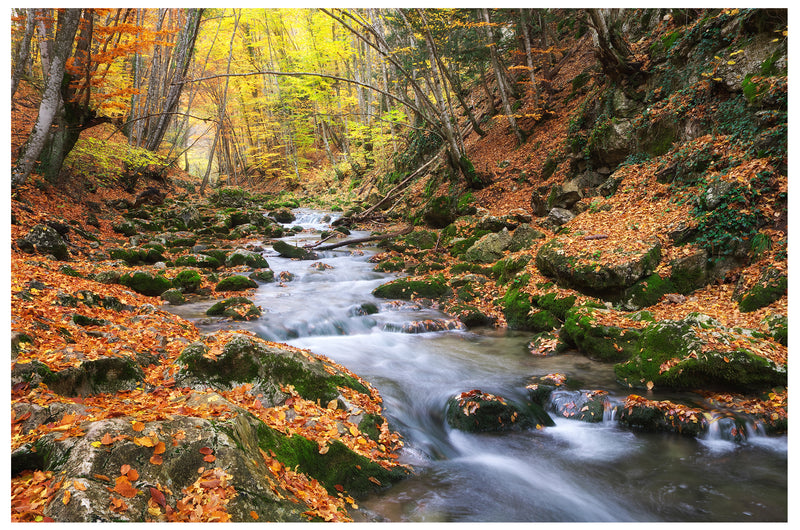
pixel 571 472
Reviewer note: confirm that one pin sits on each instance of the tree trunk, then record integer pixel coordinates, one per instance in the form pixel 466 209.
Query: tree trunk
pixel 501 82
pixel 51 99
pixel 612 49
pixel 183 57
pixel 221 113
pixel 526 38
pixel 23 52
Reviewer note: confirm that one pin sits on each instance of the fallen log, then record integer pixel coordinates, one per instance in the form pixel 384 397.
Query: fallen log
pixel 366 239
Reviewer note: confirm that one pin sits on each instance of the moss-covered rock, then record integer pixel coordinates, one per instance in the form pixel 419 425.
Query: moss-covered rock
pixel 290 251
pixel 594 274
pixel 145 283
pixel 597 341
pixel 236 283
pixel 404 289
pixel 699 353
pixel 522 313
pixel 188 280
pixel 477 411
pixel 173 296
pixel 246 257
pixel 236 308
pixel 489 248
pixel 134 256
pixel 202 261
pixel 582 405
pixel 268 367
pixel 662 416
pixel 772 285
pixel 262 275
pixel 44 239
pixel 471 316
pixel 102 375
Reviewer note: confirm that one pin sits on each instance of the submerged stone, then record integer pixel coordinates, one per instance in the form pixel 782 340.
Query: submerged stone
pixel 478 411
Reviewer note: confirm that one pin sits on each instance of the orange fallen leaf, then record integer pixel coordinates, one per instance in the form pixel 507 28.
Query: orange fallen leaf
pixel 206 450
pixel 124 469
pixel 253 514
pixel 156 460
pixel 66 498
pixel 125 488
pixel 158 497
pixel 209 458
pixel 80 486
pixel 107 439
pixel 159 448
pixel 137 426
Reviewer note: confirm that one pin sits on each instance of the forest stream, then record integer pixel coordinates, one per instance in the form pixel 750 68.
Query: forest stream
pixel 573 471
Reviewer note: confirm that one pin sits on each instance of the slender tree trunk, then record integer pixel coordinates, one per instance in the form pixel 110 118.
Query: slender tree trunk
pixel 183 57
pixel 501 82
pixel 45 32
pixel 23 52
pixel 221 114
pixel 612 49
pixel 51 99
pixel 526 38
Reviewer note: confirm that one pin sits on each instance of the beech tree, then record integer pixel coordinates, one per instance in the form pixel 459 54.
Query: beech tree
pixel 51 103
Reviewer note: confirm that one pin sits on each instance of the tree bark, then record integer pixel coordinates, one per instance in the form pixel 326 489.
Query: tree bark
pixel 51 99
pixel 331 246
pixel 501 85
pixel 612 49
pixel 22 55
pixel 526 38
pixel 183 57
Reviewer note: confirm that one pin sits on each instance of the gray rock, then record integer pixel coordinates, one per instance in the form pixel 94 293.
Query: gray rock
pixel 489 248
pixel 560 216
pixel 44 239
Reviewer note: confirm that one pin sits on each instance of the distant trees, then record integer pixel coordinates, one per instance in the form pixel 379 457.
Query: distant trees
pixel 281 89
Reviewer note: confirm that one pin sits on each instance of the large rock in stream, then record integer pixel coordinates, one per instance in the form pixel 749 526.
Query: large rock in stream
pixel 478 411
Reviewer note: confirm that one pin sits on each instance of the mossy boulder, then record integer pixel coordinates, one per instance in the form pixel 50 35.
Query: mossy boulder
pixel 440 211
pixel 662 416
pixel 268 367
pixel 187 280
pixel 772 285
pixel 583 329
pixel 102 375
pixel 202 261
pixel 521 314
pixel 471 316
pixel 262 275
pixel 523 237
pixel 697 352
pixel 173 296
pixel 421 239
pixel 404 289
pixel 135 256
pixel 236 308
pixel 246 257
pixel 290 251
pixel 489 248
pixel 283 215
pixel 595 274
pixel 145 282
pixel 478 411
pixel 236 283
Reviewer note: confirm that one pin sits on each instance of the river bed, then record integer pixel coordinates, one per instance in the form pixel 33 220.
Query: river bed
pixel 571 472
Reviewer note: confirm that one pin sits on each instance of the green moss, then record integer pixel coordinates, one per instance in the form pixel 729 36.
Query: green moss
pixel 506 269
pixel 236 283
pixel 237 308
pixel 339 466
pixel 649 291
pixel 403 289
pixel 688 366
pixel 145 283
pixel 555 305
pixel 772 286
pixel 187 280
pixel 197 260
pixel 604 343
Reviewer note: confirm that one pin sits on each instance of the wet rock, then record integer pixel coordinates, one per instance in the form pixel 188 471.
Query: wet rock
pixel 425 326
pixel 478 411
pixel 44 239
pixel 246 257
pixel 582 405
pixel 236 308
pixel 173 297
pixel 290 251
pixel 202 261
pixel 283 215
pixel 262 275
